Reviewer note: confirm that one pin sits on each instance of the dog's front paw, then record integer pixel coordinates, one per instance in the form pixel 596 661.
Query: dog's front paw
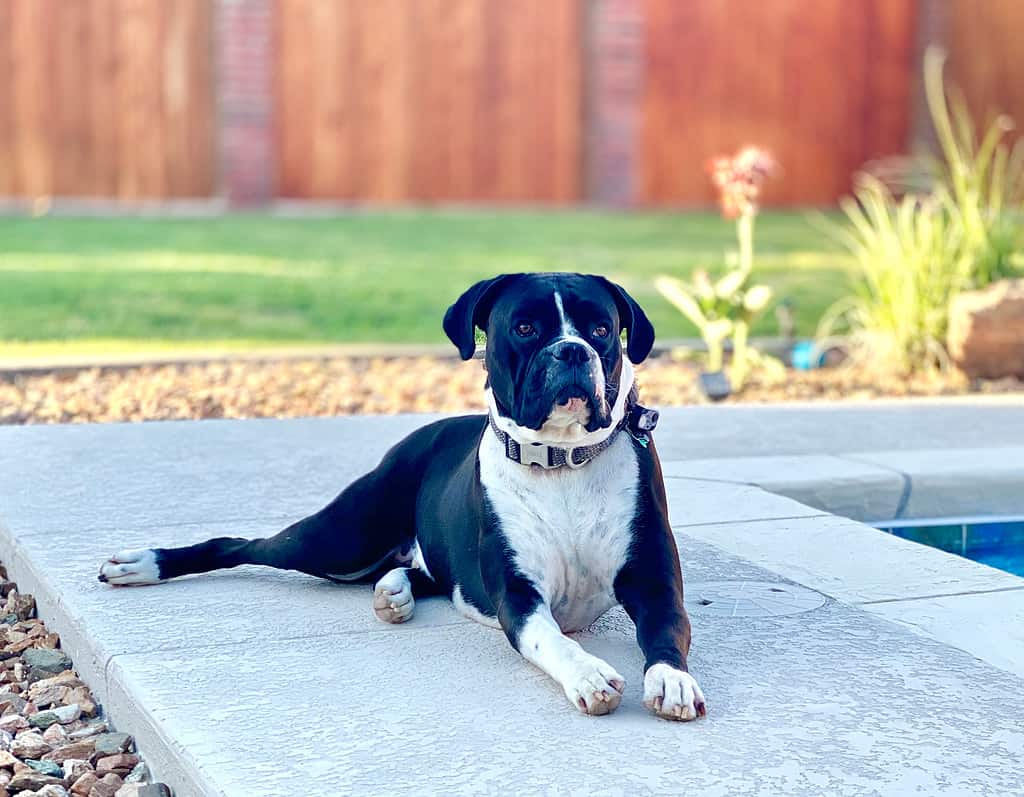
pixel 673 694
pixel 134 567
pixel 392 597
pixel 595 687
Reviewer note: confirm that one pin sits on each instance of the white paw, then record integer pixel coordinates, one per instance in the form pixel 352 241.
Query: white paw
pixel 392 597
pixel 673 694
pixel 595 688
pixel 131 568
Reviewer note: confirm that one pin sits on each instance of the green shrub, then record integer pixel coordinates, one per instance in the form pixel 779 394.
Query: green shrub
pixel 914 256
pixel 982 174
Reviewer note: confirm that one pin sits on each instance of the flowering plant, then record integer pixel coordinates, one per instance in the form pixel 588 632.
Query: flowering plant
pixel 729 306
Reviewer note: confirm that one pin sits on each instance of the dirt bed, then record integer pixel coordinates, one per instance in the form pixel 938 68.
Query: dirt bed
pixel 347 386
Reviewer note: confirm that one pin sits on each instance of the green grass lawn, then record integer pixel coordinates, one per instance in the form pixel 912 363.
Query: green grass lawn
pixel 122 283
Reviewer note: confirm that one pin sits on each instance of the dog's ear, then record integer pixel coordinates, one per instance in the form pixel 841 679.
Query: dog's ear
pixel 639 330
pixel 470 311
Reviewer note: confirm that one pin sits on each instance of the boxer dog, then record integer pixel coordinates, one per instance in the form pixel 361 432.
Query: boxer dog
pixel 535 518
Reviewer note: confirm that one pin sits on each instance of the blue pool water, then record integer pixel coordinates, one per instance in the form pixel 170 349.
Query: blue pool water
pixel 997 542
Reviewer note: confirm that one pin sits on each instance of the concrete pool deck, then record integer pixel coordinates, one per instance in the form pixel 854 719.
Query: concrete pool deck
pixel 905 674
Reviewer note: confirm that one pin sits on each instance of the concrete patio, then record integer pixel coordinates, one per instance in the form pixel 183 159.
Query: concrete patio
pixel 883 667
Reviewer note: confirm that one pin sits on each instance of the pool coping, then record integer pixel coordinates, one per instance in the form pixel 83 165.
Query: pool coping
pixel 846 560
pixel 861 489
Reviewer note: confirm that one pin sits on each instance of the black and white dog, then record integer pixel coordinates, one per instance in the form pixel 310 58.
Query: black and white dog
pixel 535 518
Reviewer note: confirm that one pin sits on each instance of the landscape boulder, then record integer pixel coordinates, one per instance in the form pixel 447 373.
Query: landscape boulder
pixel 986 331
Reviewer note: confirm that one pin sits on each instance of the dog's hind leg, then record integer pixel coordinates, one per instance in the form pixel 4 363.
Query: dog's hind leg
pixel 394 596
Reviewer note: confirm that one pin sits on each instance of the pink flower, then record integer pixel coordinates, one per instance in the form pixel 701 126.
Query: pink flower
pixel 739 179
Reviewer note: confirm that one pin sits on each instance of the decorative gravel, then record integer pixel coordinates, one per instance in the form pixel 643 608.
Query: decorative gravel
pixel 54 741
pixel 346 386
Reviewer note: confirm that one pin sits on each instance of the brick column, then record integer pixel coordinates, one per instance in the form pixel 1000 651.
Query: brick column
pixel 932 28
pixel 614 58
pixel 244 41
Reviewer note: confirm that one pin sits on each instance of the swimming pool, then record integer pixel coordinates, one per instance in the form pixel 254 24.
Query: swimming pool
pixel 994 541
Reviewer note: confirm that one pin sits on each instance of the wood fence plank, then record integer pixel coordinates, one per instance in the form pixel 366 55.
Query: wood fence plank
pixel 430 100
pixel 7 134
pixel 824 91
pixel 987 58
pixel 33 102
pixel 294 97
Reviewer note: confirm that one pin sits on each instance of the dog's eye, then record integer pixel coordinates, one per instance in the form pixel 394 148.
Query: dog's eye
pixel 524 329
pixel 600 331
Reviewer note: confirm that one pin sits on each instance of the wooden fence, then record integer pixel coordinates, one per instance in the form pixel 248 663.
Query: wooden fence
pixel 433 100
pixel 825 86
pixel 476 100
pixel 108 98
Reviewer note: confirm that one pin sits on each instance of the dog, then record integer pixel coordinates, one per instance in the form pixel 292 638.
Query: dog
pixel 535 518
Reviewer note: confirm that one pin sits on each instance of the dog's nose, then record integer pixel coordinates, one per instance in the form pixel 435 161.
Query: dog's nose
pixel 570 351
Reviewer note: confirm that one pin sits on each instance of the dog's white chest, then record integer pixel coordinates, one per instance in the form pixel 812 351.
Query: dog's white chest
pixel 569 530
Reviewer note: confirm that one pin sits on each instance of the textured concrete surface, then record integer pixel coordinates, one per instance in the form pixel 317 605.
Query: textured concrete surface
pixel 989 624
pixel 827 482
pixel 852 562
pixel 748 430
pixel 252 683
pixel 956 481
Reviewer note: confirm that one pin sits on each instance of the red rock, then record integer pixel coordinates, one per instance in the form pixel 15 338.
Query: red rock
pixel 82 750
pixel 29 745
pixel 122 763
pixel 12 723
pixel 107 786
pixel 83 785
pixel 986 330
pixel 30 780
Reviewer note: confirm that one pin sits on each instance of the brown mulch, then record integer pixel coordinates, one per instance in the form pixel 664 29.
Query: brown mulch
pixel 346 386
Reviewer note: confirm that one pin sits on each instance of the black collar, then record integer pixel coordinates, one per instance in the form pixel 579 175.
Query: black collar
pixel 637 420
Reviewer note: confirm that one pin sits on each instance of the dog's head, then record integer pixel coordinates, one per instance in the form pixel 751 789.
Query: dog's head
pixel 554 351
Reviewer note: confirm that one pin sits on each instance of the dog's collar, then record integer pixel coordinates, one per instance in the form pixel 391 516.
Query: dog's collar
pixel 637 420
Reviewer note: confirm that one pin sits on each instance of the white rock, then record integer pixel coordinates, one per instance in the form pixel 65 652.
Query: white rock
pixel 66 714
pixel 74 768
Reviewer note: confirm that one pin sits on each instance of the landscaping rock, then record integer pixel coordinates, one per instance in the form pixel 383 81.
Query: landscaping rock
pixel 44 660
pixel 140 774
pixel 83 697
pixel 11 702
pixel 44 719
pixel 986 330
pixel 24 606
pixel 113 743
pixel 89 729
pixel 30 745
pixel 61 714
pixel 31 780
pixel 83 750
pixel 83 785
pixel 122 764
pixel 65 679
pixel 12 723
pixel 52 791
pixel 67 714
pixel 7 760
pixel 107 786
pixel 52 695
pixel 74 768
pixel 46 768
pixel 55 735
pixel 353 385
